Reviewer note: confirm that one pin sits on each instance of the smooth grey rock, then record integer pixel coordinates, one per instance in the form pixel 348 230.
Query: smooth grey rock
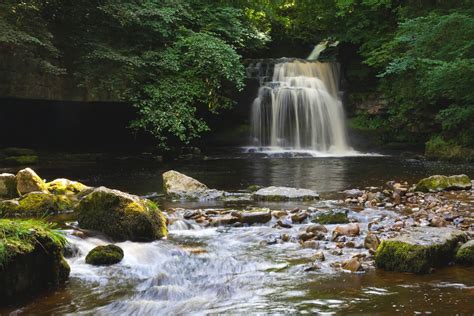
pixel 285 194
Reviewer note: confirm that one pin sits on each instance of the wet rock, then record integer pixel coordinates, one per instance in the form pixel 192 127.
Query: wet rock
pixel 306 236
pixel 279 214
pixel 104 255
pixel 192 214
pixel 121 216
pixel 285 194
pixel 8 187
pixel 318 256
pixel 371 241
pixel 352 265
pixel 285 237
pixel 299 217
pixel 439 183
pixel 224 220
pixel 312 267
pixel 437 221
pixel 419 249
pixel 28 181
pixel 284 224
pixel 335 216
pixel 316 228
pixel 351 230
pixel 349 244
pixel 465 254
pixel 179 186
pixel 312 244
pixel 353 193
pixel 255 217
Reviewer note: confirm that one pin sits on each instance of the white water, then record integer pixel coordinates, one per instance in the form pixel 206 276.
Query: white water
pixel 301 110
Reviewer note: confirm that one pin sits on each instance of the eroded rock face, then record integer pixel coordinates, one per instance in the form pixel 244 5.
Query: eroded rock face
pixel 439 183
pixel 418 249
pixel 285 194
pixel 179 186
pixel 8 188
pixel 121 216
pixel 105 255
pixel 28 181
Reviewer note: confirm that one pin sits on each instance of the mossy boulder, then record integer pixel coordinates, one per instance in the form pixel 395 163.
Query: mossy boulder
pixel 438 183
pixel 277 194
pixel 65 186
pixel 121 216
pixel 8 188
pixel 30 259
pixel 181 187
pixel 28 181
pixel 327 217
pixel 36 204
pixel 465 254
pixel 419 249
pixel 104 255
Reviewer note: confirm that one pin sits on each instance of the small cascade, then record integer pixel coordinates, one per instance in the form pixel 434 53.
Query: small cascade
pixel 300 109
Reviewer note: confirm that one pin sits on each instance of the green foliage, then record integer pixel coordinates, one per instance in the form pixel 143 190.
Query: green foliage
pixel 22 236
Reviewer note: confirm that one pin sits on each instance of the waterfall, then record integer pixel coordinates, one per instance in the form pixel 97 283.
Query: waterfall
pixel 300 109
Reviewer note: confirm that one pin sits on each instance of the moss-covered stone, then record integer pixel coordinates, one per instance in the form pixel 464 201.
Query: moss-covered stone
pixel 8 186
pixel 30 259
pixel 419 249
pixel 36 204
pixel 65 186
pixel 465 254
pixel 121 216
pixel 105 255
pixel 337 216
pixel 21 160
pixel 438 183
pixel 28 181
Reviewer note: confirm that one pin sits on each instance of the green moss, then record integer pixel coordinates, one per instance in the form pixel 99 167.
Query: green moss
pixel 121 216
pixel 105 255
pixel 65 186
pixel 21 160
pixel 36 204
pixel 331 217
pixel 253 188
pixel 432 184
pixel 395 255
pixel 22 236
pixel 465 254
pixel 16 151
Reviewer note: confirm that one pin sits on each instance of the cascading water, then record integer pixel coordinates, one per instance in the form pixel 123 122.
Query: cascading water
pixel 300 109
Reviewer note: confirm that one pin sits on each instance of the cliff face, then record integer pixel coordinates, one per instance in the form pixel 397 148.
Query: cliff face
pixel 23 78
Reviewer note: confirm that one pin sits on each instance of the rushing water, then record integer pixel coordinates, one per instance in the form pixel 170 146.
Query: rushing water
pixel 301 109
pixel 227 270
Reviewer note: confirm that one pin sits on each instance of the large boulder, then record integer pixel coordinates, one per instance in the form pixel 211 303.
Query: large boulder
pixel 285 194
pixel 30 259
pixel 104 255
pixel 8 188
pixel 465 254
pixel 121 216
pixel 418 249
pixel 28 181
pixel 439 183
pixel 179 186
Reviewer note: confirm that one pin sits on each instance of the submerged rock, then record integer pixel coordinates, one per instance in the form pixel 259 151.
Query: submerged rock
pixel 352 265
pixel 179 186
pixel 104 255
pixel 439 183
pixel 28 181
pixel 418 249
pixel 121 216
pixel 8 186
pixel 336 216
pixel 465 254
pixel 31 260
pixel 285 194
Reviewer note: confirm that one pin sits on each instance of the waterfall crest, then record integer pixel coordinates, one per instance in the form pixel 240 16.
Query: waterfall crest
pixel 300 109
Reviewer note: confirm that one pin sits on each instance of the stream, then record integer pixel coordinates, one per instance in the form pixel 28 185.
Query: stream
pixel 236 270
